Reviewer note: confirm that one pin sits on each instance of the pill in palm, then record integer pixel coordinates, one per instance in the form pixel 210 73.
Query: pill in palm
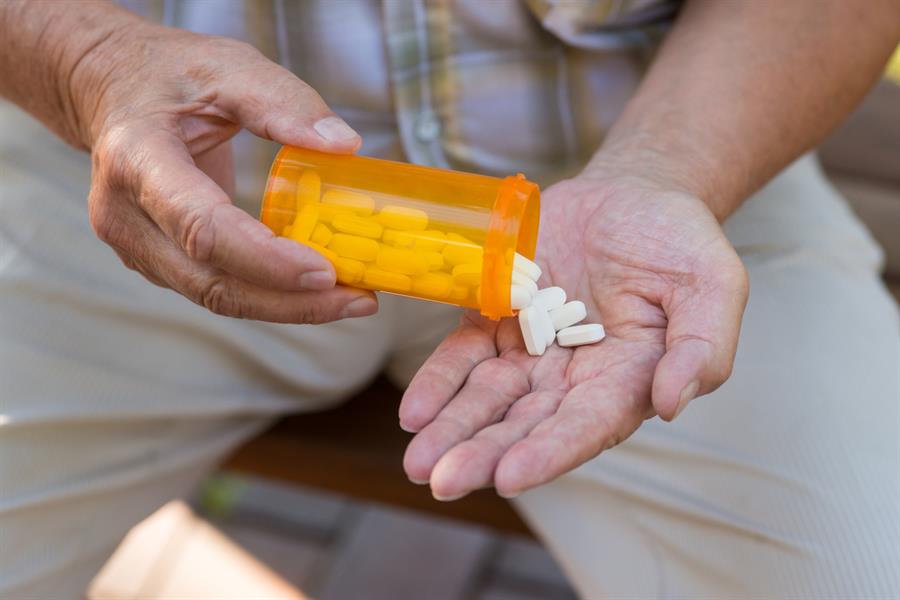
pixel 532 332
pixel 546 325
pixel 519 297
pixel 580 335
pixel 550 298
pixel 526 267
pixel 568 314
pixel 519 279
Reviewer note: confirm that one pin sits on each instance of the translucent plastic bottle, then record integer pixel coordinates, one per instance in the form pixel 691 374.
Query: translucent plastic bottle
pixel 427 233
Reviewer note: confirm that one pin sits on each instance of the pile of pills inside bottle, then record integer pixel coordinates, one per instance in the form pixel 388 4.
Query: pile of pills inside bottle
pixel 393 248
pixel 544 315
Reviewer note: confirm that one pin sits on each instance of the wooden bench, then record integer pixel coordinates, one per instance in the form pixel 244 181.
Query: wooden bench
pixel 356 450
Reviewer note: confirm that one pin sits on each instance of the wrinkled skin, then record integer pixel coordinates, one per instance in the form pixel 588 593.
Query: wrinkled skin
pixel 655 268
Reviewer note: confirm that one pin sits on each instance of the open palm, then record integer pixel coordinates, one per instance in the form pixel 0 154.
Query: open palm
pixel 655 268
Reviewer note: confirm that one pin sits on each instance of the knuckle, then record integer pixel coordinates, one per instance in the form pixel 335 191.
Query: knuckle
pixel 217 295
pixel 197 234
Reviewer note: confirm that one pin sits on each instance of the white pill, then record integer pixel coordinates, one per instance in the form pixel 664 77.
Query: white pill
pixel 568 314
pixel 532 332
pixel 519 297
pixel 526 267
pixel 519 279
pixel 550 298
pixel 546 326
pixel 580 335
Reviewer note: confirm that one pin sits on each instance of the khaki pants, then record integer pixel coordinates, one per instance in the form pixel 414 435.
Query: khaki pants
pixel 117 396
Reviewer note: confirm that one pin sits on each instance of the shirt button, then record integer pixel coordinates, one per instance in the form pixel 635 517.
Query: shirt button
pixel 428 128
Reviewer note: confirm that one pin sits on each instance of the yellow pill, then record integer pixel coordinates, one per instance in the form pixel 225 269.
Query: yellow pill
pixel 398 260
pixel 349 271
pixel 403 217
pixel 458 253
pixel 398 239
pixel 468 274
pixel 357 226
pixel 321 235
pixel 361 204
pixel 331 256
pixel 387 281
pixel 459 293
pixel 431 239
pixel 309 189
pixel 433 285
pixel 434 260
pixel 286 232
pixel 355 247
pixel 327 212
pixel 304 223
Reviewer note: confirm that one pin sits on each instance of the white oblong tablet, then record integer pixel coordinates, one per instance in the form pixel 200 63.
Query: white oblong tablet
pixel 580 335
pixel 568 314
pixel 546 325
pixel 523 280
pixel 550 298
pixel 526 267
pixel 519 297
pixel 532 332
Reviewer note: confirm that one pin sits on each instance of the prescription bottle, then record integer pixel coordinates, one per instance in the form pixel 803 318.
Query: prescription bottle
pixel 416 231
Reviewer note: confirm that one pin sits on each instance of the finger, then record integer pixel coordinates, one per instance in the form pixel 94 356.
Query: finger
pixel 701 339
pixel 218 164
pixel 470 465
pixel 275 104
pixel 593 416
pixel 445 371
pixel 149 251
pixel 198 216
pixel 491 388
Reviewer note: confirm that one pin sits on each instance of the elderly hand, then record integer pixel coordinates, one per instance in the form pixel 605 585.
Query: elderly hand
pixel 653 266
pixel 157 107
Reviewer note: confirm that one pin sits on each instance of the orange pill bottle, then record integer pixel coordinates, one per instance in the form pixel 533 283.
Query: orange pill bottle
pixel 417 231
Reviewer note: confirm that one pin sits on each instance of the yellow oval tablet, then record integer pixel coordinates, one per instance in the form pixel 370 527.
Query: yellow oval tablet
pixel 349 271
pixel 459 293
pixel 304 223
pixel 458 253
pixel 432 239
pixel 399 260
pixel 386 280
pixel 468 274
pixel 355 247
pixel 434 260
pixel 330 255
pixel 398 239
pixel 309 189
pixel 321 234
pixel 433 285
pixel 361 204
pixel 403 217
pixel 357 226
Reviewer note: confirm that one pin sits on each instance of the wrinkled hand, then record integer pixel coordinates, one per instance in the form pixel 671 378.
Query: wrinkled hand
pixel 158 107
pixel 655 268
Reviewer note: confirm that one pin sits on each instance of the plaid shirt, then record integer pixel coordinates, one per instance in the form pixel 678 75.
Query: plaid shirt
pixel 492 86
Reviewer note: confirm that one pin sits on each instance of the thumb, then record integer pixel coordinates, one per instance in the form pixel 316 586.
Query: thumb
pixel 273 103
pixel 701 339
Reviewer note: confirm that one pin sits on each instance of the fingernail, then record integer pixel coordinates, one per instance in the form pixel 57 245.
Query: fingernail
pixel 361 307
pixel 334 129
pixel 687 394
pixel 418 481
pixel 508 495
pixel 317 280
pixel 440 498
pixel 407 429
